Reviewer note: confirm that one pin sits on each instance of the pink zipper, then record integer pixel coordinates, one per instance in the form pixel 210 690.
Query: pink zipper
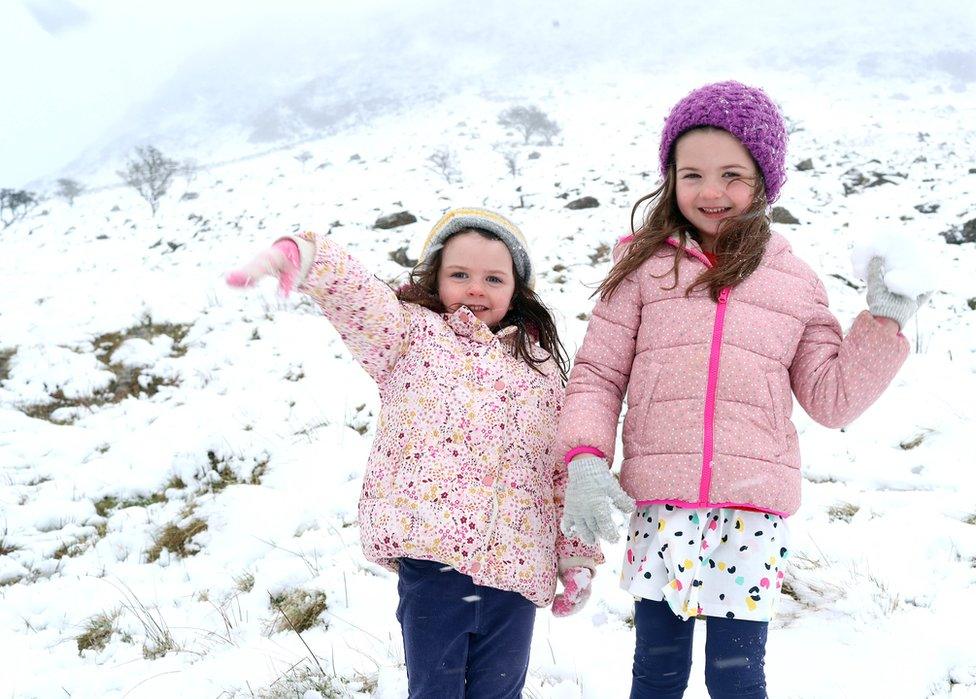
pixel 713 361
pixel 708 445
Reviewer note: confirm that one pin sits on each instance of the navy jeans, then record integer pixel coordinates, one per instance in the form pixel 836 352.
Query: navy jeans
pixel 735 651
pixel 461 639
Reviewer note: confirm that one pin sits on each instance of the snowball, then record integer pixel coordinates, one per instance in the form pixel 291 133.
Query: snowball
pixel 909 264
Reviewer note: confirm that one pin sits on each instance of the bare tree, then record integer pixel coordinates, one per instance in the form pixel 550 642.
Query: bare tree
pixel 529 121
pixel 68 189
pixel 149 173
pixel 441 161
pixel 188 170
pixel 303 158
pixel 15 204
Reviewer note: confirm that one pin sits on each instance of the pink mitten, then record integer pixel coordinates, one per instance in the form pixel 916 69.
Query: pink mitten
pixel 576 590
pixel 282 261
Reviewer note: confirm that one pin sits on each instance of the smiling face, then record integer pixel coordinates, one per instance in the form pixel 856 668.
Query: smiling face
pixel 476 272
pixel 716 180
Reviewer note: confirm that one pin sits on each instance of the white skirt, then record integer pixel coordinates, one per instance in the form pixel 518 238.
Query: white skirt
pixel 707 562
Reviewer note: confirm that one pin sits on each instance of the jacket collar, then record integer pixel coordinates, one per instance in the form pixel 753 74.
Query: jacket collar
pixel 464 323
pixel 692 248
pixel 776 245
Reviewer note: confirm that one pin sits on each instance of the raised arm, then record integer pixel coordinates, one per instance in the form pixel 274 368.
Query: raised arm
pixel 365 311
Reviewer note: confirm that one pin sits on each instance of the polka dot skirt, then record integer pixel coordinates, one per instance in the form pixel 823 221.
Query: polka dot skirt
pixel 707 562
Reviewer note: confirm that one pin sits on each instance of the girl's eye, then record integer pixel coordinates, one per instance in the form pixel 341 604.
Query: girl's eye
pixel 494 280
pixel 732 175
pixel 458 275
pixel 690 175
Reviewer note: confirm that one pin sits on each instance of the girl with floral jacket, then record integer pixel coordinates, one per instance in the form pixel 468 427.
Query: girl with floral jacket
pixel 463 490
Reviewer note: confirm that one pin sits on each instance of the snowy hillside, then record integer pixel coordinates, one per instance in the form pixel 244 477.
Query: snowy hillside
pixel 180 462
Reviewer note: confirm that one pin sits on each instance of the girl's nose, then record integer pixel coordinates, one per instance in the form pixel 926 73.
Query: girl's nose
pixel 712 190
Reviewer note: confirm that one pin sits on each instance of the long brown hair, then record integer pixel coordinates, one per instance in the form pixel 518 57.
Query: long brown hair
pixel 739 247
pixel 532 319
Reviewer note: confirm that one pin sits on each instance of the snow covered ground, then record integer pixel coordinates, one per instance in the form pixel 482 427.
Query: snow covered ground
pixel 180 461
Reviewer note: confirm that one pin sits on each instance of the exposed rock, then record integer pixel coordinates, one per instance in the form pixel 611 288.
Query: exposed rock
pixel 401 258
pixel 534 155
pixel 926 208
pixel 780 214
pixel 583 203
pixel 805 165
pixel 400 218
pixel 958 235
pixel 854 180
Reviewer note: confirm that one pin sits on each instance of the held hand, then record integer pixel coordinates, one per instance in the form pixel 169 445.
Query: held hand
pixel 884 303
pixel 279 261
pixel 576 590
pixel 591 489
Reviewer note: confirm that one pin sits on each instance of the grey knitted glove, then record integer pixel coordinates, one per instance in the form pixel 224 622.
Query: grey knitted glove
pixel 885 303
pixel 586 511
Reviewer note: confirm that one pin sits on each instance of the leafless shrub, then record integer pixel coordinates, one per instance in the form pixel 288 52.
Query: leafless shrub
pixel 441 161
pixel 150 174
pixel 188 170
pixel 15 204
pixel 303 158
pixel 511 160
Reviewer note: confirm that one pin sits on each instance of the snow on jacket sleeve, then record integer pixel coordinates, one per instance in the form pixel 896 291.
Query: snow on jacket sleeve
pixel 601 372
pixel 370 319
pixel 836 378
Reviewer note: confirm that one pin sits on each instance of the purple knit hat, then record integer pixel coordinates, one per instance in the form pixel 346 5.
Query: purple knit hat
pixel 745 112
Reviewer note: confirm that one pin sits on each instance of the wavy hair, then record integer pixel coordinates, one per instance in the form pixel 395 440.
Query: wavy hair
pixel 739 246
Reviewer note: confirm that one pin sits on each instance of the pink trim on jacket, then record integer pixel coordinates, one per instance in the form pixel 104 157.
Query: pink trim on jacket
pixel 712 386
pixel 583 449
pixel 695 505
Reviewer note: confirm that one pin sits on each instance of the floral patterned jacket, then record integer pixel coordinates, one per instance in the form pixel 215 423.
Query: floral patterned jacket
pixel 463 469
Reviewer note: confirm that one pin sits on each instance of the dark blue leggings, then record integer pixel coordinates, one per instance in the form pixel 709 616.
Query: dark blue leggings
pixel 734 655
pixel 461 639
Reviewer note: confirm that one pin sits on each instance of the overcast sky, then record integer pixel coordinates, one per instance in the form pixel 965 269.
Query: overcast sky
pixel 74 69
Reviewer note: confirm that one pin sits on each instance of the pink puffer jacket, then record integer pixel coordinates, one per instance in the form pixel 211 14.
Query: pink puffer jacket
pixel 709 385
pixel 463 469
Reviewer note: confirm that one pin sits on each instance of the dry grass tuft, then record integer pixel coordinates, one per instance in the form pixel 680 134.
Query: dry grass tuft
pixel 916 440
pixel 305 680
pixel 298 610
pixel 244 582
pixel 97 632
pixel 176 539
pixel 844 511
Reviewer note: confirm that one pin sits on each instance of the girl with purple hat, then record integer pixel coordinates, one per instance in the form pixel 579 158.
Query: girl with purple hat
pixel 709 324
